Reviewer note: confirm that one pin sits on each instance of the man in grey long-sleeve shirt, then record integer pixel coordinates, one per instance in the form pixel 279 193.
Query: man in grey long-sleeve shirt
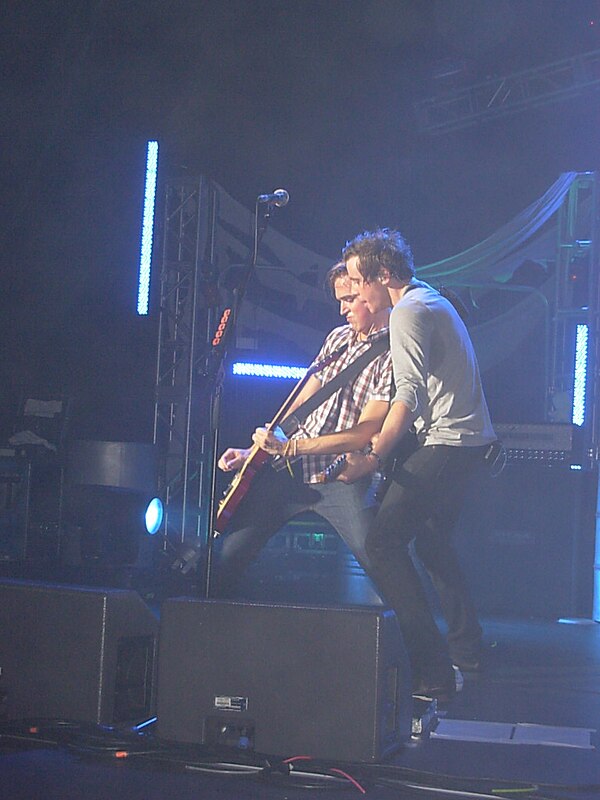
pixel 438 390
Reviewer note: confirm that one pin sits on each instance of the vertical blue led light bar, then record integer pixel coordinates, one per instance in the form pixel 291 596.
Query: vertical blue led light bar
pixel 147 228
pixel 580 376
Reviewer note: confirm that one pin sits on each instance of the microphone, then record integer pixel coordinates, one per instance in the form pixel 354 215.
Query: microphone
pixel 278 198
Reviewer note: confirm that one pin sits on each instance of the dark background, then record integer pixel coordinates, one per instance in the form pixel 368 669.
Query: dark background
pixel 317 97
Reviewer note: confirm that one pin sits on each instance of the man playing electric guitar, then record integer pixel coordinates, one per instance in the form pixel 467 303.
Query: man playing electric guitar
pixel 345 422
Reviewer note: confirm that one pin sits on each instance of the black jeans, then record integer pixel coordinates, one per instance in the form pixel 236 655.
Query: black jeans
pixel 422 503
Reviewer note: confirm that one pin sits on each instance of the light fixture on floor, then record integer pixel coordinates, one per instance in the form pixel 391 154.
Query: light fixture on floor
pixel 154 516
pixel 111 504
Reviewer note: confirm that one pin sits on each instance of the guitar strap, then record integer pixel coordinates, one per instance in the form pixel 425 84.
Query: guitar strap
pixel 291 424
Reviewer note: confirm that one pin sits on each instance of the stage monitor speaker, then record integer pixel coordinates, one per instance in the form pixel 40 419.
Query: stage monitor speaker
pixel 283 679
pixel 75 653
pixel 526 541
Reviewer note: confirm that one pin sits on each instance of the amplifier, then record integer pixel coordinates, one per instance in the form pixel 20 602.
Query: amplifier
pixel 525 539
pixel 550 443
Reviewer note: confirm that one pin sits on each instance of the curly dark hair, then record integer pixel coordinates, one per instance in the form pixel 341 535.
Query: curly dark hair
pixel 382 247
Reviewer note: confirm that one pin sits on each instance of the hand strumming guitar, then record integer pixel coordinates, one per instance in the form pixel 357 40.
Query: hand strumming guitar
pixel 357 466
pixel 271 441
pixel 233 459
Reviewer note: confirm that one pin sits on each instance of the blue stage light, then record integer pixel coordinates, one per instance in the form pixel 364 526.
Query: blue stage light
pixel 154 515
pixel 140 726
pixel 280 371
pixel 147 228
pixel 580 374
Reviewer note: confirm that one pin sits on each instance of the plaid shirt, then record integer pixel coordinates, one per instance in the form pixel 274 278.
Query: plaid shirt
pixel 343 409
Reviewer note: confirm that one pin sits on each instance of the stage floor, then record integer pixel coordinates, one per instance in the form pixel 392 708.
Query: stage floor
pixel 542 673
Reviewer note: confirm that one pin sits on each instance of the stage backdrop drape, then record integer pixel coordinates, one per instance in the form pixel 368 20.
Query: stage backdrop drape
pixel 286 311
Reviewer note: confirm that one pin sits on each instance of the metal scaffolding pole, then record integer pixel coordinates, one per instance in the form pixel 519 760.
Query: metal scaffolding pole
pixel 577 303
pixel 183 416
pixel 509 94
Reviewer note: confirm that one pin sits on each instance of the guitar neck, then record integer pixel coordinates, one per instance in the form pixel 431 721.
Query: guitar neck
pixel 331 472
pixel 284 411
pixel 257 457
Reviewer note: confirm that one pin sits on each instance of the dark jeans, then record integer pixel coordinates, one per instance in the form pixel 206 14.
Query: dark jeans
pixel 274 498
pixel 422 503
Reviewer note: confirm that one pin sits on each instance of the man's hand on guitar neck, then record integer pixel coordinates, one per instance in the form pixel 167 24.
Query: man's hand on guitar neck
pixel 233 459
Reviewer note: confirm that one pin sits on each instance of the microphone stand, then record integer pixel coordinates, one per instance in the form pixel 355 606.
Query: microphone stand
pixel 215 373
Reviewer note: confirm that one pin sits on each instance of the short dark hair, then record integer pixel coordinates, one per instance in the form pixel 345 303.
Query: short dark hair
pixel 334 273
pixel 382 247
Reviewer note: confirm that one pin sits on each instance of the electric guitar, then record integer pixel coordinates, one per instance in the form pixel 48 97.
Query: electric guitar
pixel 239 487
pixel 244 477
pixel 258 458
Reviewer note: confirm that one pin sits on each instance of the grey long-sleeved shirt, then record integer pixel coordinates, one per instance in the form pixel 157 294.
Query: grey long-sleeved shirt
pixel 435 370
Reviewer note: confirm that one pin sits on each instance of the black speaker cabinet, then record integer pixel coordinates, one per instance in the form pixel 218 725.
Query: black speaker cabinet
pixel 526 541
pixel 283 679
pixel 75 653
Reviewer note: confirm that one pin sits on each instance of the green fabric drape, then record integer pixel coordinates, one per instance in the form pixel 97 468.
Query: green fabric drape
pixel 481 262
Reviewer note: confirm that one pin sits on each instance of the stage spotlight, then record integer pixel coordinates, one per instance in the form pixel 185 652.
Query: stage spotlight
pixel 107 526
pixel 111 503
pixel 154 515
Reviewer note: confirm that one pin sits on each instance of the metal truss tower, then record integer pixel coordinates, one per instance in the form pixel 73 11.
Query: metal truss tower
pixel 183 416
pixel 498 97
pixel 575 338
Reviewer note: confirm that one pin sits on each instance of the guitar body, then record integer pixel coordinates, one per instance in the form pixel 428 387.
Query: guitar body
pixel 239 487
pixel 243 479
